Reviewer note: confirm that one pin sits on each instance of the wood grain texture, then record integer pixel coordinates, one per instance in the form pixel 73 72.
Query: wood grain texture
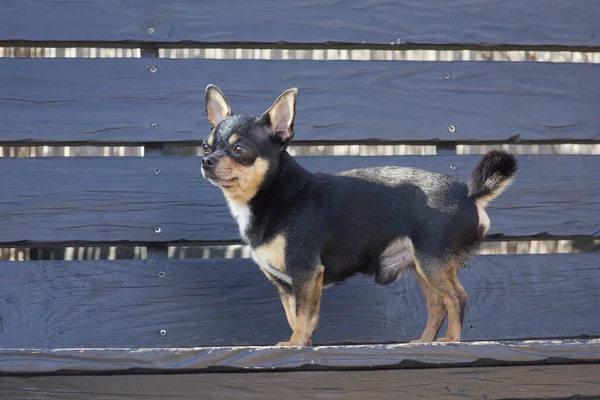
pixel 117 100
pixel 312 21
pixel 276 359
pixel 124 303
pixel 525 382
pixel 101 200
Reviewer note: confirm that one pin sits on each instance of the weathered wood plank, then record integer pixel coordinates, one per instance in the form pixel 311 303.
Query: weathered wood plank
pixel 122 199
pixel 125 303
pixel 358 21
pixel 100 100
pixel 495 383
pixel 274 359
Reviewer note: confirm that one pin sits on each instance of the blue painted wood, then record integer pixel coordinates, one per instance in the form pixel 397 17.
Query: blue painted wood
pixel 124 200
pixel 212 302
pixel 117 101
pixel 534 22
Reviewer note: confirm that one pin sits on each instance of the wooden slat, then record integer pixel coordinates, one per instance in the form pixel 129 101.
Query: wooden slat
pixel 99 100
pixel 359 21
pixel 526 382
pixel 99 200
pixel 125 303
pixel 275 359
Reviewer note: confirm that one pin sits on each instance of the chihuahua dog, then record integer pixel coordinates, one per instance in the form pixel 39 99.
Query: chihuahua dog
pixel 310 230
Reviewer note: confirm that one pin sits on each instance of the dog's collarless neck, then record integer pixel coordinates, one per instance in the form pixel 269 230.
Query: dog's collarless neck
pixel 289 180
pixel 272 201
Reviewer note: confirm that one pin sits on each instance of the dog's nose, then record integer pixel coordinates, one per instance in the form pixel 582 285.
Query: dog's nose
pixel 208 162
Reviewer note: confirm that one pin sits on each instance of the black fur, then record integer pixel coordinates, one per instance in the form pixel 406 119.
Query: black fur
pixel 346 221
pixel 491 172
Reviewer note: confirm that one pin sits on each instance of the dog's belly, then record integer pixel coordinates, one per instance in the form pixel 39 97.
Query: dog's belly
pixel 387 265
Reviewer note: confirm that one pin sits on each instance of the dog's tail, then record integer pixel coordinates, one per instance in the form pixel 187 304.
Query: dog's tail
pixel 492 176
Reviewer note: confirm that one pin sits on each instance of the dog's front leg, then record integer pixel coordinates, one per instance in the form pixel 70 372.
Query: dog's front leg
pixel 307 289
pixel 288 301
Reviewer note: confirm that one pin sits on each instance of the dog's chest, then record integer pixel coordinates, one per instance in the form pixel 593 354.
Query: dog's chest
pixel 243 216
pixel 270 257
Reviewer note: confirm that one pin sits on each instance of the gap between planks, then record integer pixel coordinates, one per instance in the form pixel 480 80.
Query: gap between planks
pixel 503 247
pixel 414 53
pixel 311 150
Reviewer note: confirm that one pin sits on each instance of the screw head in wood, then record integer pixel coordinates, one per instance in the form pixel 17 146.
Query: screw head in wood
pixel 163 332
pixel 153 69
pixel 453 166
pixel 154 125
pixel 157 171
pixel 157 229
pixel 161 274
pixel 447 75
pixel 151 30
pixel 451 128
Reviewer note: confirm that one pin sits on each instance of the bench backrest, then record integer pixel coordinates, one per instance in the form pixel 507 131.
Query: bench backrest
pixel 370 78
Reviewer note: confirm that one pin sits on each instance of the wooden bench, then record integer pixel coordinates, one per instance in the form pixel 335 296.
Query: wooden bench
pixel 159 326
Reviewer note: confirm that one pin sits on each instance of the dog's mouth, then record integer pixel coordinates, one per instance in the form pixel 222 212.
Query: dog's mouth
pixel 226 183
pixel 218 180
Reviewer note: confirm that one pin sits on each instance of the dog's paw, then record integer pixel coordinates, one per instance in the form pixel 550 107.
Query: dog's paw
pixel 448 339
pixel 416 341
pixel 293 343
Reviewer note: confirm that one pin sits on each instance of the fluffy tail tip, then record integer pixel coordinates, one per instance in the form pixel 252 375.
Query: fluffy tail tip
pixel 491 177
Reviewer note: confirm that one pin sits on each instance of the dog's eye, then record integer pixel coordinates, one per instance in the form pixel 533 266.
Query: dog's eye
pixel 239 150
pixel 206 148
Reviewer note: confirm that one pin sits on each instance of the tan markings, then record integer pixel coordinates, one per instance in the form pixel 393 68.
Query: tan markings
pixel 436 311
pixel 273 253
pixel 308 305
pixel 484 219
pixel 244 180
pixel 485 200
pixel 233 138
pixel 454 297
pixel 289 304
pixel 210 140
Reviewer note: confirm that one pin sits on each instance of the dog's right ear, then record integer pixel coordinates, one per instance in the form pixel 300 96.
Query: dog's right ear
pixel 216 106
pixel 280 117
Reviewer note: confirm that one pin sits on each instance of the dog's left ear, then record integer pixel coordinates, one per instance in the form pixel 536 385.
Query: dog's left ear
pixel 280 117
pixel 216 105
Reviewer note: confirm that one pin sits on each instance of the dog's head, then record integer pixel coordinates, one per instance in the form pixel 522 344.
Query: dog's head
pixel 242 151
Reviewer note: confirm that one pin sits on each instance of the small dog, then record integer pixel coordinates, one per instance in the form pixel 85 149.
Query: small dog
pixel 310 230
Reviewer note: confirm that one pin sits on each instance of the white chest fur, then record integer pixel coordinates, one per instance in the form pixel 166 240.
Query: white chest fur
pixel 270 257
pixel 243 216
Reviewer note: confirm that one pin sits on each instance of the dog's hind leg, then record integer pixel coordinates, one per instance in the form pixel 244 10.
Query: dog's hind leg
pixel 454 297
pixel 442 277
pixel 436 311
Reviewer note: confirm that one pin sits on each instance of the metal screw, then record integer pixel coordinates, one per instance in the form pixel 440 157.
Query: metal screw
pixel 453 166
pixel 151 30
pixel 163 332
pixel 157 229
pixel 161 274
pixel 157 171
pixel 154 125
pixel 153 69
pixel 451 128
pixel 471 326
pixel 447 75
